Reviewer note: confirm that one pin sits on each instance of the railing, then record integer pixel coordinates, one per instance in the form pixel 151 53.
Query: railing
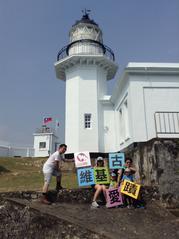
pixel 45 130
pixel 14 151
pixel 166 122
pixel 105 50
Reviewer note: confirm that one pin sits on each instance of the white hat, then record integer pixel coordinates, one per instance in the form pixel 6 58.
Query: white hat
pixel 99 159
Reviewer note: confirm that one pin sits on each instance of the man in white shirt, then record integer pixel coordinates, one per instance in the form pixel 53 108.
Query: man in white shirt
pixel 52 168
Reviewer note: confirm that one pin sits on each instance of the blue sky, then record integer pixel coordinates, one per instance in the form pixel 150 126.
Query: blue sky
pixel 33 31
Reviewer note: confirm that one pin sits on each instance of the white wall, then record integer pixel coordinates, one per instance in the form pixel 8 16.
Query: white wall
pixel 109 130
pixel 159 99
pixel 152 93
pixel 85 85
pixel 51 141
pixel 146 91
pixel 123 113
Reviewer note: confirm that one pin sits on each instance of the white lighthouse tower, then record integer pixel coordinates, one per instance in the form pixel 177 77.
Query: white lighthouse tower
pixel 85 64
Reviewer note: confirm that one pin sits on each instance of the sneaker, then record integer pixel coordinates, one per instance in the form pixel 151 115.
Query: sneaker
pixel 140 206
pixel 94 204
pixel 45 201
pixel 130 207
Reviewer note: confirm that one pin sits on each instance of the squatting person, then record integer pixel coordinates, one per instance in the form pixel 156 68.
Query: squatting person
pixel 52 168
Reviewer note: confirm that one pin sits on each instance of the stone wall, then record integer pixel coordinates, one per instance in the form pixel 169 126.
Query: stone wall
pixel 19 221
pixel 157 163
pixel 80 195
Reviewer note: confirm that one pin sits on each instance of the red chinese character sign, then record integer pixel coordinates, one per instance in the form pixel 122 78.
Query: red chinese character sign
pixel 113 197
pixel 101 175
pixel 82 159
pixel 130 189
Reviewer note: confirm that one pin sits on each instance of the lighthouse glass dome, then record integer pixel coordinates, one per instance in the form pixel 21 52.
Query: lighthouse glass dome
pixel 85 39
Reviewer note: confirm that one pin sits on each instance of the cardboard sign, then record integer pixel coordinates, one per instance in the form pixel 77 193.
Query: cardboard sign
pixel 101 175
pixel 85 176
pixel 116 160
pixel 113 197
pixel 82 159
pixel 131 189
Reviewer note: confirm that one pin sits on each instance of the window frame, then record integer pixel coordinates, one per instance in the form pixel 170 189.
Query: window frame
pixel 87 121
pixel 45 145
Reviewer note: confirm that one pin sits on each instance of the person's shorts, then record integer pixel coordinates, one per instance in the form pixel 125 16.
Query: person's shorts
pixel 48 176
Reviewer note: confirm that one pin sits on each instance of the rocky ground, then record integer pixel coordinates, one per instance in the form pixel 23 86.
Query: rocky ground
pixel 21 218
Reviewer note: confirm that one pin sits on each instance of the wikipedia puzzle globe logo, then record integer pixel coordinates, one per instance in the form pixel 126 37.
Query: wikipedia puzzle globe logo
pixel 82 157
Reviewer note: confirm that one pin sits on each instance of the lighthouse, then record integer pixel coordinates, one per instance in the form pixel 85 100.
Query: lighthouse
pixel 85 64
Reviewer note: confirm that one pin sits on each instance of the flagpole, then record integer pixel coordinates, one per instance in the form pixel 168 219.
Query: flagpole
pixel 56 126
pixel 43 123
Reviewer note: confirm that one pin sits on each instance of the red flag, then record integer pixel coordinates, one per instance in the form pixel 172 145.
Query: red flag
pixel 47 120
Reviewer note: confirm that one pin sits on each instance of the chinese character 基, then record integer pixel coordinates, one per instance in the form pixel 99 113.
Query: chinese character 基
pixel 101 175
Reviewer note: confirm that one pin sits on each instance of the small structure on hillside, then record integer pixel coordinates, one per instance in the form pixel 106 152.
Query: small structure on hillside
pixel 45 141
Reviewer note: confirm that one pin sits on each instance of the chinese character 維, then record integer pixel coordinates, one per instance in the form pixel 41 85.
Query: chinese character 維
pixel 86 176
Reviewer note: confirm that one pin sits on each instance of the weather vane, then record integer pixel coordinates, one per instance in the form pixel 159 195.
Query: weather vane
pixel 86 11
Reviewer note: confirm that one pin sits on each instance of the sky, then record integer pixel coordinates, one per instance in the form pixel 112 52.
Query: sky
pixel 33 31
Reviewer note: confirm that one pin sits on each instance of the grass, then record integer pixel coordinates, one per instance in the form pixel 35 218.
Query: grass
pixel 23 174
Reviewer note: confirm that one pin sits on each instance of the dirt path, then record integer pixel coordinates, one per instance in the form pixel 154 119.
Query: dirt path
pixel 153 222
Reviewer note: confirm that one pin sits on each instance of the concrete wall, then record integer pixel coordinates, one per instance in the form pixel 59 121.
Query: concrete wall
pixel 157 163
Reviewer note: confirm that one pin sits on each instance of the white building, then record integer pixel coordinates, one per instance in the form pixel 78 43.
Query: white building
pixel 143 105
pixel 45 142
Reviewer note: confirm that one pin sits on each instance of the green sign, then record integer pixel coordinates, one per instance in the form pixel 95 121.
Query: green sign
pixel 101 175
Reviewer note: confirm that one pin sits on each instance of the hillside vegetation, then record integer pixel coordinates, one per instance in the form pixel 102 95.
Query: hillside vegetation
pixel 26 174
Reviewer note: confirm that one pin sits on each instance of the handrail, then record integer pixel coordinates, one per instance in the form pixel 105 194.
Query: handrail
pixel 64 52
pixel 166 122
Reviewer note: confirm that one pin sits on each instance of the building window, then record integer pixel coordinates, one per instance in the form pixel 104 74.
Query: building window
pixel 87 121
pixel 42 145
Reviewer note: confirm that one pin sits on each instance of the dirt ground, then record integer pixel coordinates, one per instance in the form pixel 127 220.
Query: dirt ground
pixel 153 222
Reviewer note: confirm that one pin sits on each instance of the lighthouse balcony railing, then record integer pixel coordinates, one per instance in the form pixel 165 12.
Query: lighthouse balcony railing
pixel 85 47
